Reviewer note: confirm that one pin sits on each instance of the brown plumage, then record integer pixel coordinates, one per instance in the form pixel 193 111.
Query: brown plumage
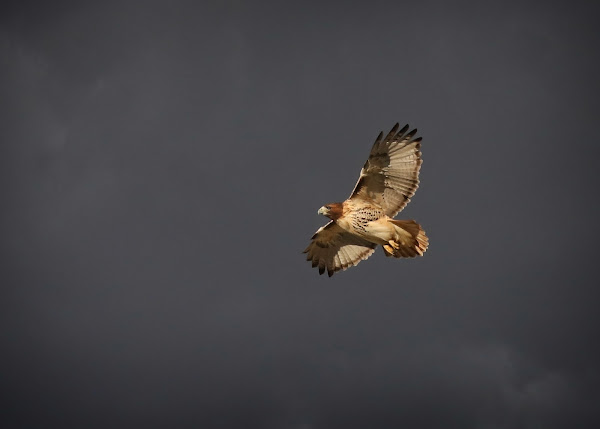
pixel 387 181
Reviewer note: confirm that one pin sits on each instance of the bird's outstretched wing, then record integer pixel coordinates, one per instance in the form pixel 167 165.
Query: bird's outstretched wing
pixel 390 176
pixel 334 249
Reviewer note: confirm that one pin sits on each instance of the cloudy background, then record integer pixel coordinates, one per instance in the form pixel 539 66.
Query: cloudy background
pixel 161 167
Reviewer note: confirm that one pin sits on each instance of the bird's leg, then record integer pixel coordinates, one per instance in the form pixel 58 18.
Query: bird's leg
pixel 388 250
pixel 394 244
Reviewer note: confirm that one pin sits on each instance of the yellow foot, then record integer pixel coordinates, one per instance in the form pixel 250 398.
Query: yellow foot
pixel 393 244
pixel 389 251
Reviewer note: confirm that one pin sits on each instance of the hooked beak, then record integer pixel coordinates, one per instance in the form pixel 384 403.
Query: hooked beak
pixel 322 211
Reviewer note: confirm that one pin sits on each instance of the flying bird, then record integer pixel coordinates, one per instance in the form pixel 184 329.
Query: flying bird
pixel 358 225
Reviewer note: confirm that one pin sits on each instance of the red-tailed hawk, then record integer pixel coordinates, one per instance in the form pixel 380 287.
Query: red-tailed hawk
pixel 387 181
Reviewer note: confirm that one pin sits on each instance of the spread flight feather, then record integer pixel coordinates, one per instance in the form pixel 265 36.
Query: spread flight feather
pixel 386 183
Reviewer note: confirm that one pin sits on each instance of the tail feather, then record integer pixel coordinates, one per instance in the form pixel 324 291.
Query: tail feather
pixel 410 240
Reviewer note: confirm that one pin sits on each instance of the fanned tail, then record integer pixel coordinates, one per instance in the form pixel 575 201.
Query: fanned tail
pixel 410 240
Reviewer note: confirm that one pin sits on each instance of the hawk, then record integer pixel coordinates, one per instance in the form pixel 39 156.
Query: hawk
pixel 358 225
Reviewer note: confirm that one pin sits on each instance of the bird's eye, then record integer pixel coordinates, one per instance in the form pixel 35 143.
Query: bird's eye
pixel 328 207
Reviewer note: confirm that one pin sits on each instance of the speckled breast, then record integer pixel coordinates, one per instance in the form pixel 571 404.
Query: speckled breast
pixel 361 217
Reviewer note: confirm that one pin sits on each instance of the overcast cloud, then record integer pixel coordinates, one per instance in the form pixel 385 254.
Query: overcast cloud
pixel 161 167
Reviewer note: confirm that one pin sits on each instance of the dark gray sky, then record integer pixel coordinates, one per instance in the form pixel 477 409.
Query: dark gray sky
pixel 161 169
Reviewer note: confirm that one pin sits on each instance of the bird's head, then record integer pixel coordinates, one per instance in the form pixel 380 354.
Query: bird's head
pixel 333 211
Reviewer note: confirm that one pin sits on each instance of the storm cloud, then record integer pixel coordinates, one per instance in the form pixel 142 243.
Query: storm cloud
pixel 161 169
